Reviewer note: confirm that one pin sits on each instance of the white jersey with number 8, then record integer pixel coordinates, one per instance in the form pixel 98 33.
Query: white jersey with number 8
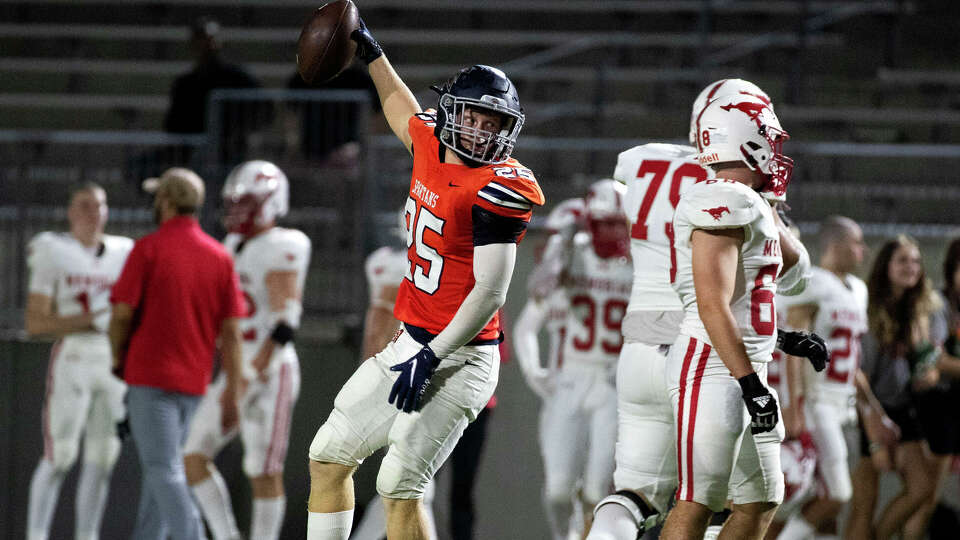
pixel 726 204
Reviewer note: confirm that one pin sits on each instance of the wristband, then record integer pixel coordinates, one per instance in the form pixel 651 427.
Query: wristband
pixel 282 334
pixel 750 384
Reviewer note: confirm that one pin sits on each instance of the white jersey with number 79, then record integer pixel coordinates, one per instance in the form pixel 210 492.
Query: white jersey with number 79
pixel 656 175
pixel 725 204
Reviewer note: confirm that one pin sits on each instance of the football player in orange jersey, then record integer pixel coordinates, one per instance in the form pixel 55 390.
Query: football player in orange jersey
pixel 468 207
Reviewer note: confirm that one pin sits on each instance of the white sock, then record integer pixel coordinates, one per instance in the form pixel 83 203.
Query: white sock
pixel 712 532
pixel 613 522
pixel 373 524
pixel 91 500
pixel 267 518
pixel 797 528
pixel 559 514
pixel 214 502
pixel 329 526
pixel 44 491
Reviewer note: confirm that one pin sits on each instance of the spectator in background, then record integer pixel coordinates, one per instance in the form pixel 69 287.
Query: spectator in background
pixel 191 91
pixel 897 355
pixel 330 130
pixel 937 405
pixel 176 293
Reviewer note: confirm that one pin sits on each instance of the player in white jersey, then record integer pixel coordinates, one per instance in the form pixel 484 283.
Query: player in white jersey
pixel 547 303
pixel 579 417
pixel 70 279
pixel 272 263
pixel 834 305
pixel 656 176
pixel 729 257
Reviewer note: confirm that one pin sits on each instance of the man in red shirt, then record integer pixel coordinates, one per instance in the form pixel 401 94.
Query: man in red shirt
pixel 177 292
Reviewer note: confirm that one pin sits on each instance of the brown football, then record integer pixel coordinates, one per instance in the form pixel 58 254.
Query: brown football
pixel 325 48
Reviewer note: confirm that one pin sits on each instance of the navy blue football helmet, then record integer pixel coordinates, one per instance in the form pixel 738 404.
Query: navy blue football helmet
pixel 486 90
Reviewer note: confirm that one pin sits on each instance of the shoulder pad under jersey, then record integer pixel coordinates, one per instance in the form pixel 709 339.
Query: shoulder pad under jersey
pixel 719 204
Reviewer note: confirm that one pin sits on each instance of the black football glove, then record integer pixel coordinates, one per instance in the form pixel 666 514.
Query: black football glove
pixel 806 345
pixel 414 378
pixel 761 404
pixel 368 49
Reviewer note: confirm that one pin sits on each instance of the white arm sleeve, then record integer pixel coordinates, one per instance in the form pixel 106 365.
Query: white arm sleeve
pixel 492 270
pixel 525 341
pixel 795 279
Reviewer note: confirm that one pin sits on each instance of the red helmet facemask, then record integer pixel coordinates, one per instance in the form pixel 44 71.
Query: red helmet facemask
pixel 240 213
pixel 781 167
pixel 610 237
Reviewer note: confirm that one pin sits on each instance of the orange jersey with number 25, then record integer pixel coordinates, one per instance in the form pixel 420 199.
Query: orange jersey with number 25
pixel 442 231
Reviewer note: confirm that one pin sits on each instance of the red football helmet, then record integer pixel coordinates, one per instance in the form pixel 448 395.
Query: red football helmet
pixel 607 220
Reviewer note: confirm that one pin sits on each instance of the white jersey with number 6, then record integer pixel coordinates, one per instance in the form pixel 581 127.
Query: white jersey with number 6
pixel 841 319
pixel 725 204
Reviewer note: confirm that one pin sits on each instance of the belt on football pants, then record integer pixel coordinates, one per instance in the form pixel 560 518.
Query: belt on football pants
pixel 424 336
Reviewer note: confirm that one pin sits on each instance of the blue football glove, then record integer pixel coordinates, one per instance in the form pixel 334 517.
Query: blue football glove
pixel 414 378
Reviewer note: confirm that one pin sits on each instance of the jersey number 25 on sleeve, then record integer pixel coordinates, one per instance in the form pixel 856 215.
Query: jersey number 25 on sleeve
pixel 427 280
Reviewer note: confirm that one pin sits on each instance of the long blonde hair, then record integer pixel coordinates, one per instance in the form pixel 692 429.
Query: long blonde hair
pixel 899 323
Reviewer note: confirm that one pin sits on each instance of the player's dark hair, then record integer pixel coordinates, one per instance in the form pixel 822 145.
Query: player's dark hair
pixel 892 320
pixel 951 262
pixel 84 187
pixel 833 229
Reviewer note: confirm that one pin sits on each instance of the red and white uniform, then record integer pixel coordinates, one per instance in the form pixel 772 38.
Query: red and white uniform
pixel 441 235
pixel 267 403
pixel 841 319
pixel 656 175
pixel 716 453
pixel 385 267
pixel 82 395
pixel 580 417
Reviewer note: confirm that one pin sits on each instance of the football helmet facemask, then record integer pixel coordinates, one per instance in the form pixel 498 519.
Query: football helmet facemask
pixel 607 219
pixel 745 129
pixel 486 90
pixel 255 194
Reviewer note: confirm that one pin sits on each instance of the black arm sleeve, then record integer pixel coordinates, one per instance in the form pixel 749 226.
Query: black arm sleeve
pixel 491 228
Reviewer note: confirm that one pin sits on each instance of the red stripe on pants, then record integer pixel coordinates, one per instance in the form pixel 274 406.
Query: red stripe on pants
pixel 278 436
pixel 691 347
pixel 694 398
pixel 47 438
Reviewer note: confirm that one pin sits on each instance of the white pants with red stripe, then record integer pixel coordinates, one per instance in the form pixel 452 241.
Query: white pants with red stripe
pixel 717 456
pixel 82 398
pixel 265 411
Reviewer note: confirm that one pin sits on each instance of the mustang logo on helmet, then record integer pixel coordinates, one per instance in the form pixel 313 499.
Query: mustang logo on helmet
pixel 752 110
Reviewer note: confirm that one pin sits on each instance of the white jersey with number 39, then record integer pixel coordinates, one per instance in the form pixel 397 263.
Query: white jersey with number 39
pixel 598 290
pixel 726 204
pixel 656 176
pixel 76 277
pixel 841 319
pixel 275 250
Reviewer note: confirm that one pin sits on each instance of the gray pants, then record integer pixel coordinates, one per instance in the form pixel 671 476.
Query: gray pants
pixel 159 423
